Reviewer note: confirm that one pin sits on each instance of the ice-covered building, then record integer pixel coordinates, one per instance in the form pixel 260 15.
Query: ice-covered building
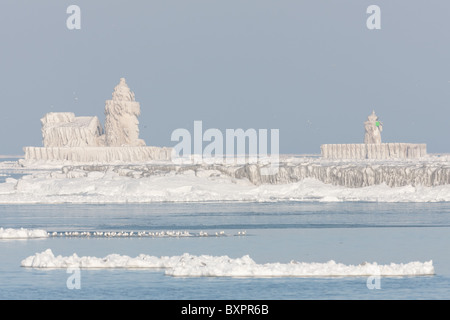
pixel 82 139
pixel 63 129
pixel 373 148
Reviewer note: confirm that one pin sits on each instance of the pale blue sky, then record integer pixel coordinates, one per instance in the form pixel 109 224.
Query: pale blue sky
pixel 308 68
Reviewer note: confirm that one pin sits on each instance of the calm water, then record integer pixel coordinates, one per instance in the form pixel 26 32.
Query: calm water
pixel 275 232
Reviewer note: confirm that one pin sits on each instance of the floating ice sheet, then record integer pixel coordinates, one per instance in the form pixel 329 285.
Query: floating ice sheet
pixel 10 233
pixel 188 265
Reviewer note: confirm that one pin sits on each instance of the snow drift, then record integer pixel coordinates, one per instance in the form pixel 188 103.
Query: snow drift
pixel 188 265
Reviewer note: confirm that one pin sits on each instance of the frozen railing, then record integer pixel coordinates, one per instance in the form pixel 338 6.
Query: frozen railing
pixel 374 151
pixel 98 154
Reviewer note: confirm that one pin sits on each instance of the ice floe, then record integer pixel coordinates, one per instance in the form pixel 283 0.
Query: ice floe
pixel 11 233
pixel 188 265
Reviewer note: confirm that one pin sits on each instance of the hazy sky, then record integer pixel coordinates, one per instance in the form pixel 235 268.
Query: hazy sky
pixel 311 68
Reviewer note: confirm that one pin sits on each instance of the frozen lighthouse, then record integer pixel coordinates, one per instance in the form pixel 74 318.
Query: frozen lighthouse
pixel 373 128
pixel 83 139
pixel 122 112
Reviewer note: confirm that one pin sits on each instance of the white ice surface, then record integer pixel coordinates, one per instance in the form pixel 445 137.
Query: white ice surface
pixel 10 233
pixel 188 265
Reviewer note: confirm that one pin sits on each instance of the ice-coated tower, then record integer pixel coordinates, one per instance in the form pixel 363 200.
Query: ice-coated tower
pixel 122 124
pixel 373 129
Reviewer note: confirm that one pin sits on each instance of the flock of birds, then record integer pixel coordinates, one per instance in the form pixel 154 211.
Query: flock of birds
pixel 114 234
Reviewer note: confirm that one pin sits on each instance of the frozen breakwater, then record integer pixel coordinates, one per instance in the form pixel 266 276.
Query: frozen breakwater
pixel 347 174
pixel 297 179
pixel 356 175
